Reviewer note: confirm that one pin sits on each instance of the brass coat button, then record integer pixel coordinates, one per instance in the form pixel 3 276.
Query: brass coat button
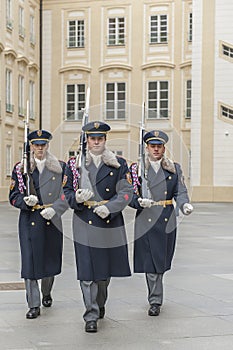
pixel 33 223
pixel 48 222
pixel 107 189
pixel 90 222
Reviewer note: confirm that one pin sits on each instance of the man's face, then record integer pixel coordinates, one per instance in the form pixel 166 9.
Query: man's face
pixel 39 150
pixel 155 151
pixel 96 144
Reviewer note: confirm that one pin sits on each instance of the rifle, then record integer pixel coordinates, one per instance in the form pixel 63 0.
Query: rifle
pixel 142 172
pixel 26 152
pixel 81 166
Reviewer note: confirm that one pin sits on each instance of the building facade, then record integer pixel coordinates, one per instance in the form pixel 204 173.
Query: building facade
pixel 166 64
pixel 19 76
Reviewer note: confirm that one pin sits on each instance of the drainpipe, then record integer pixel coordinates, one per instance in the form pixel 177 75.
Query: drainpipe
pixel 40 63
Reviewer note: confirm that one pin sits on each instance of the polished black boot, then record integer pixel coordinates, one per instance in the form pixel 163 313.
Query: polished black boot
pixel 91 327
pixel 33 312
pixel 154 310
pixel 47 300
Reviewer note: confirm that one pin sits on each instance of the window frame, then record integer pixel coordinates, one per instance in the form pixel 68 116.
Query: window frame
pixel 157 34
pixel 116 102
pixel 9 91
pixel 188 99
pixel 78 102
pixel 158 100
pixel 190 28
pixel 79 34
pixel 116 31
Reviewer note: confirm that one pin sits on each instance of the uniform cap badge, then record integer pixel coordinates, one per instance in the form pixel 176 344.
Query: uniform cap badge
pixel 96 125
pixel 39 133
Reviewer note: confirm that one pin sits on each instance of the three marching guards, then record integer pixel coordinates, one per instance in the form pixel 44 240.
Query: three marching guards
pixel 97 185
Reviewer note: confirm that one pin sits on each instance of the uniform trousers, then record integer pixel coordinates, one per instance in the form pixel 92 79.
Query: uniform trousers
pixel 95 294
pixel 155 288
pixel 33 291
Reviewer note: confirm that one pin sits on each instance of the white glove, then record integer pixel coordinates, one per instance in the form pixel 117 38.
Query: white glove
pixel 31 200
pixel 48 213
pixel 83 195
pixel 187 208
pixel 102 211
pixel 144 202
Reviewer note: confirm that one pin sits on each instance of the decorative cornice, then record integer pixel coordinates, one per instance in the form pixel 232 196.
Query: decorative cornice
pixel 186 64
pixel 115 66
pixel 33 65
pixel 22 59
pixel 158 64
pixel 72 68
pixel 11 52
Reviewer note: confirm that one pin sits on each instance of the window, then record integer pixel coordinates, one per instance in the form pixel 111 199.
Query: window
pixel 9 105
pixel 115 101
pixel 116 31
pixel 158 99
pixel 188 98
pixel 75 101
pixel 190 33
pixel 21 22
pixel 32 30
pixel 21 95
pixel 8 160
pixel 31 100
pixel 76 33
pixel 9 20
pixel 227 112
pixel 158 29
pixel 227 51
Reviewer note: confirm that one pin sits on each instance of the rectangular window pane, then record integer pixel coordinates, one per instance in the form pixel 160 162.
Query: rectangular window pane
pixel 76 33
pixel 188 98
pixel 158 102
pixel 116 31
pixel 158 29
pixel 190 27
pixel 75 101
pixel 115 101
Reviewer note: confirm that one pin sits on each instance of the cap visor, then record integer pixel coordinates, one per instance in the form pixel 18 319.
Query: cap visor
pixel 156 142
pixel 39 142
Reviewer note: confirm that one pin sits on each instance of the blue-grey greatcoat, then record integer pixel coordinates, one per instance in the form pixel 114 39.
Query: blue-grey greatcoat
pixel 155 227
pixel 100 244
pixel 41 240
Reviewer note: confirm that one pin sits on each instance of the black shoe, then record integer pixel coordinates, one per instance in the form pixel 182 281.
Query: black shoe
pixel 47 301
pixel 102 312
pixel 91 327
pixel 154 310
pixel 34 312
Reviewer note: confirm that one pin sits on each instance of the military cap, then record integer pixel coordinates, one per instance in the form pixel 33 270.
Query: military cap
pixel 155 137
pixel 39 137
pixel 96 128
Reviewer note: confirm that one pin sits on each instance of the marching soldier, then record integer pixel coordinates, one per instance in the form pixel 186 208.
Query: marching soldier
pixel 155 223
pixel 40 226
pixel 98 192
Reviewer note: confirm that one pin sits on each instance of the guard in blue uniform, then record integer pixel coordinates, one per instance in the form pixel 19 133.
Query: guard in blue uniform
pixel 155 225
pixel 40 226
pixel 98 192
